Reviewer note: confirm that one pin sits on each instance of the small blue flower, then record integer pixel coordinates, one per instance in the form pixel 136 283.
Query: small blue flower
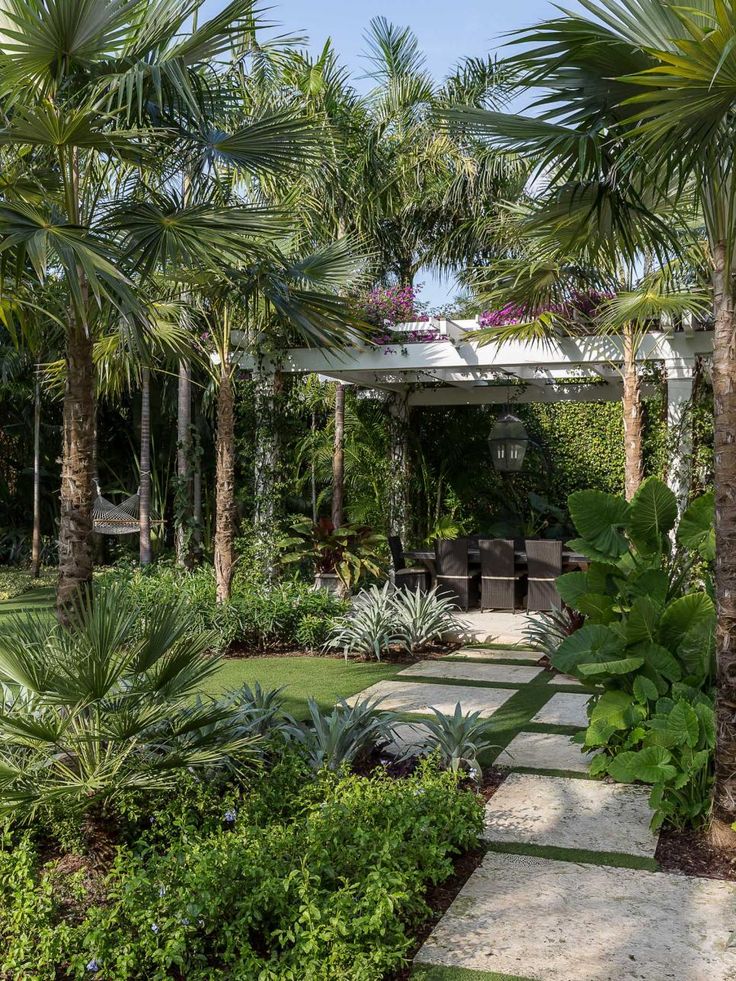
pixel 231 816
pixel 93 966
pixel 185 921
pixel 155 927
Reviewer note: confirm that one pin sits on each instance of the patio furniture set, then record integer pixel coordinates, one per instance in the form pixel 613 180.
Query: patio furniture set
pixel 492 573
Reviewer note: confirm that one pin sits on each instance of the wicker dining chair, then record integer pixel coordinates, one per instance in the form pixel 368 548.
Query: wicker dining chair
pixel 406 578
pixel 500 581
pixel 454 578
pixel 544 561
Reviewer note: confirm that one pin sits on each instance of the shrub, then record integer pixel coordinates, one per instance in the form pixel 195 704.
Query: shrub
pixel 95 709
pixel 343 736
pixel 331 892
pixel 648 641
pixel 385 617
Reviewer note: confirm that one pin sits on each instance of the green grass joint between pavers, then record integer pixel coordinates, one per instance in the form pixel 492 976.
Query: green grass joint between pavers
pixel 431 972
pixel 582 856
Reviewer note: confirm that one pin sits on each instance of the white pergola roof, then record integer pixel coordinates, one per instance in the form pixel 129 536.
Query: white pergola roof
pixel 455 370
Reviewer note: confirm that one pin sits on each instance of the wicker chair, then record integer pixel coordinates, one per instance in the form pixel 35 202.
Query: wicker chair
pixel 454 578
pixel 411 579
pixel 544 559
pixel 500 581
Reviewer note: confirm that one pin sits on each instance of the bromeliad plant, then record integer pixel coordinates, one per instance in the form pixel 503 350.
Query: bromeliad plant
pixel 350 552
pixel 648 641
pixel 95 709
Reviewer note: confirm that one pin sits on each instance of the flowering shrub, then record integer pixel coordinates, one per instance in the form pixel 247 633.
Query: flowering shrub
pixel 580 305
pixel 328 885
pixel 387 306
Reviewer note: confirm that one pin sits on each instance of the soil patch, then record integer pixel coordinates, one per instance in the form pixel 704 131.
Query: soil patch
pixel 692 853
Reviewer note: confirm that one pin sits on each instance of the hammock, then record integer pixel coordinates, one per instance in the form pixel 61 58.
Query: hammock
pixel 118 519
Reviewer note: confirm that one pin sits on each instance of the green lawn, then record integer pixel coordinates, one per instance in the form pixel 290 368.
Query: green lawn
pixel 430 973
pixel 325 679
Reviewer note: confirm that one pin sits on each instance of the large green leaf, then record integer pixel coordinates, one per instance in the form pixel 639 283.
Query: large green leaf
pixel 696 530
pixel 572 586
pixel 642 621
pixel 694 611
pixel 593 642
pixel 661 660
pixel 684 725
pixel 652 514
pixel 623 665
pixel 649 765
pixel 599 519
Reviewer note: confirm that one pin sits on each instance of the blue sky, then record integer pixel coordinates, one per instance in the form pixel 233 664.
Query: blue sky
pixel 447 31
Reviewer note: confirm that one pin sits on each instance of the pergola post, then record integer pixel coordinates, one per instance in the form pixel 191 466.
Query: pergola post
pixel 399 465
pixel 265 464
pixel 679 429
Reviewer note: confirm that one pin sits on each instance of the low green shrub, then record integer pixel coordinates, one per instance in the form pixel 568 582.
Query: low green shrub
pixel 15 581
pixel 264 617
pixel 647 642
pixel 333 890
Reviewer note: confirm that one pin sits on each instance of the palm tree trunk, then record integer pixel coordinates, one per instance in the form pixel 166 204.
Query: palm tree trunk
pixel 183 470
pixel 75 525
pixel 338 459
pixel 313 467
pixel 144 498
pixel 225 489
pixel 724 395
pixel 36 539
pixel 399 467
pixel 634 465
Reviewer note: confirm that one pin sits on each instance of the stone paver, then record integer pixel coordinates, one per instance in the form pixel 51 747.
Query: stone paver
pixel 544 751
pixel 493 654
pixel 566 812
pixel 564 709
pixel 494 626
pixel 560 921
pixel 511 674
pixel 407 696
pixel 564 679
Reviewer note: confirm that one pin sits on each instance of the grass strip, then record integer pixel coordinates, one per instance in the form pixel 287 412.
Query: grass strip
pixel 461 659
pixel 465 682
pixel 431 972
pixel 548 771
pixel 583 856
pixel 554 727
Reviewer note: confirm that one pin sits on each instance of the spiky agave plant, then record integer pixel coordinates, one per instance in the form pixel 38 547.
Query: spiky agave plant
pixel 345 735
pixel 423 617
pixel 103 706
pixel 457 739
pixel 370 627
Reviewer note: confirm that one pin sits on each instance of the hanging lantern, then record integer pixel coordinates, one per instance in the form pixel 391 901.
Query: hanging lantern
pixel 508 441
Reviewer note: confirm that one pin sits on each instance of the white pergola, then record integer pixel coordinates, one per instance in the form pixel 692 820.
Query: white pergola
pixel 454 369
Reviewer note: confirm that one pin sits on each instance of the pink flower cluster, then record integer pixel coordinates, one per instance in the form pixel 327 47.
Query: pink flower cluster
pixel 387 306
pixel 579 305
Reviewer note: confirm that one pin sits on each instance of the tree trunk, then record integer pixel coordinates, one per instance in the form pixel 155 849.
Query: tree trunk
pixel 266 468
pixel 197 524
pixel 225 489
pixel 313 468
pixel 634 465
pixel 724 395
pixel 338 459
pixel 183 510
pixel 75 524
pixel 144 494
pixel 36 539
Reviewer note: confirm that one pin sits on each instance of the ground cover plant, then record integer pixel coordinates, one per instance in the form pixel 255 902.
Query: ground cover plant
pixel 647 643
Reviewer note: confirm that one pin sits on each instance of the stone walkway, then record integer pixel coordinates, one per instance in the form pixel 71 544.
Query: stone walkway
pixel 569 889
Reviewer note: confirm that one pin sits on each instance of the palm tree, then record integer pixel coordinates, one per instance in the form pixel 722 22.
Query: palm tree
pixel 94 92
pixel 668 71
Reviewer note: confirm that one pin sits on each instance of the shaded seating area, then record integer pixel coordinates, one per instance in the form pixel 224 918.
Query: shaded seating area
pixel 453 574
pixel 501 581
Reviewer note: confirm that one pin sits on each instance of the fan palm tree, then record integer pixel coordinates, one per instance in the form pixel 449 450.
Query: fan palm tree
pixel 667 71
pixel 94 91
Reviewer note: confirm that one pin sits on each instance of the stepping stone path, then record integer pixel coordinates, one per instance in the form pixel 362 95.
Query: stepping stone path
pixel 543 751
pixel 407 696
pixel 553 900
pixel 571 813
pixel 508 674
pixel 564 709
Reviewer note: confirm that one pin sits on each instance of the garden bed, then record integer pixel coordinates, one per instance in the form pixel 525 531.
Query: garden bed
pixel 689 852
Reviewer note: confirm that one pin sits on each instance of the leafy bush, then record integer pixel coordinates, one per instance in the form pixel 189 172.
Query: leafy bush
pixel 351 552
pixel 331 890
pixel 257 617
pixel 386 617
pixel 97 708
pixel 648 640
pixel 14 581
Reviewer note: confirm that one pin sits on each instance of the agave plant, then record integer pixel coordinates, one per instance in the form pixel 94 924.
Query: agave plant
pixel 423 617
pixel 345 735
pixel 370 627
pixel 457 739
pixel 99 707
pixel 262 709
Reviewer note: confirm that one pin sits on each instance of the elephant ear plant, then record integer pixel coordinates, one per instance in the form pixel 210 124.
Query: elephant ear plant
pixel 101 707
pixel 647 643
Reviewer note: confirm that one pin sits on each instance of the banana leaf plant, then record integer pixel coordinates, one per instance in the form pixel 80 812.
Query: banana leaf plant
pixel 350 552
pixel 648 641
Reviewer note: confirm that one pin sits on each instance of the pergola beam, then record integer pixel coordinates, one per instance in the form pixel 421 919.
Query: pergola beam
pixel 514 394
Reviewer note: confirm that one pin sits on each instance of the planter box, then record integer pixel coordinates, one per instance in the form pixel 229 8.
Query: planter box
pixel 329 581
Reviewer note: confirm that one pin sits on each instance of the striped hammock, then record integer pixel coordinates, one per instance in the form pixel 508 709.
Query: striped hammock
pixel 118 519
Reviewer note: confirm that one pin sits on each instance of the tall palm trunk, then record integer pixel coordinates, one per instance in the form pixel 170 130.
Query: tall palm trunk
pixel 724 395
pixel 633 456
pixel 144 509
pixel 183 468
pixel 338 459
pixel 225 488
pixel 36 539
pixel 75 525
